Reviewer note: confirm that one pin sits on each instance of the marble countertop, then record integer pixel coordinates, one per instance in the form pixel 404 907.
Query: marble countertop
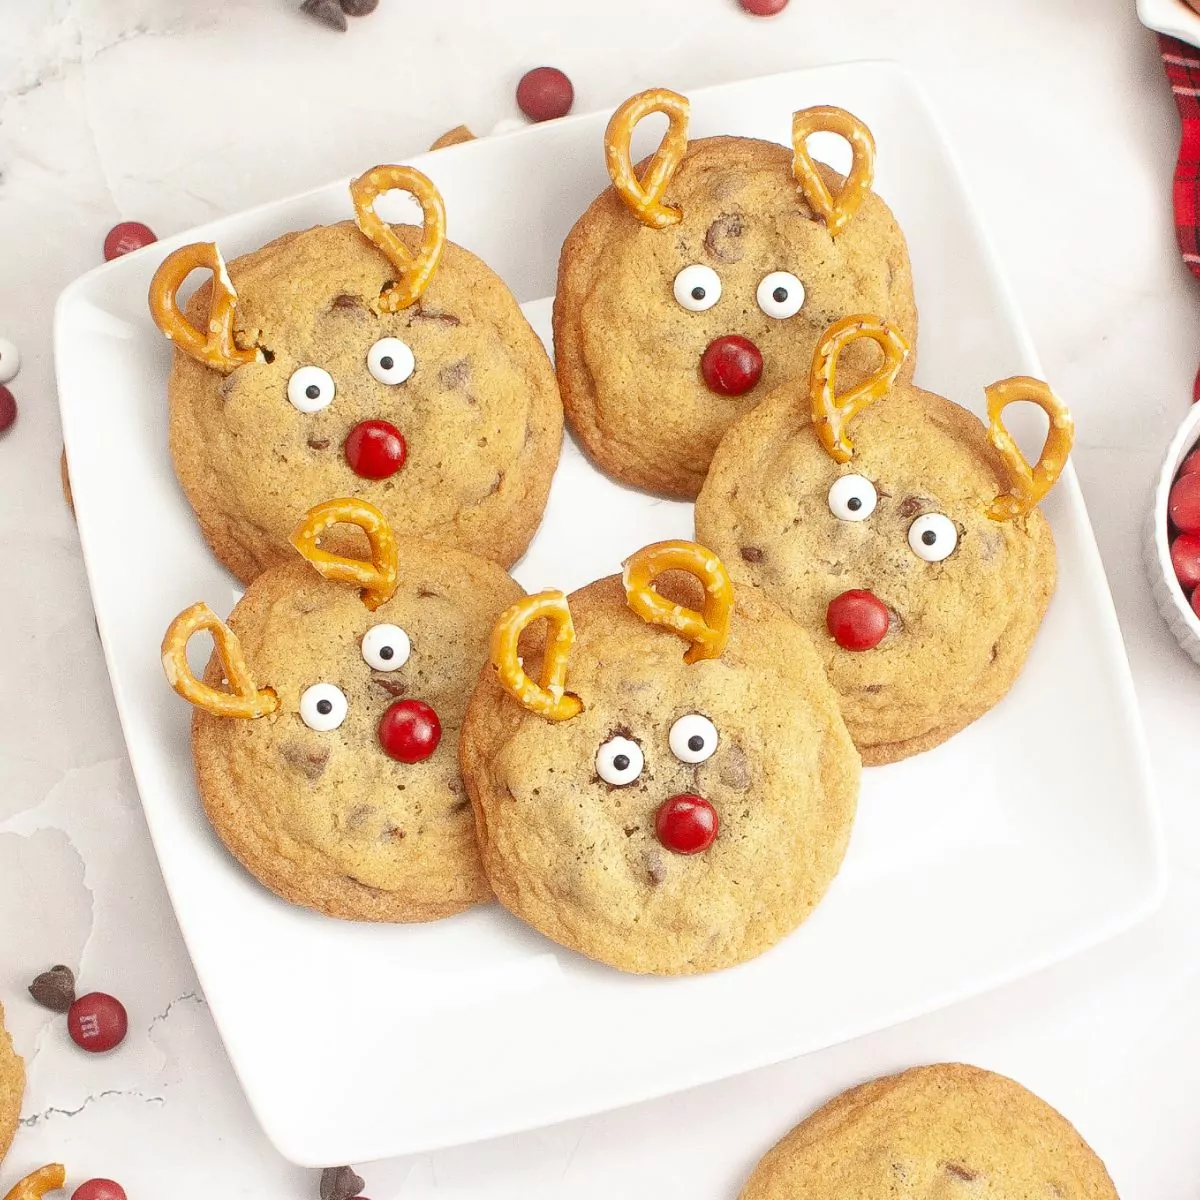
pixel 175 111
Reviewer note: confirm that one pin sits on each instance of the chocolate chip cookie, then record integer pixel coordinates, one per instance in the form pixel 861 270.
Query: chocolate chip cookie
pixel 12 1088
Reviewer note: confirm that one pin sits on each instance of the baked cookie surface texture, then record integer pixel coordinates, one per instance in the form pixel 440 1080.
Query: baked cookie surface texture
pixel 12 1089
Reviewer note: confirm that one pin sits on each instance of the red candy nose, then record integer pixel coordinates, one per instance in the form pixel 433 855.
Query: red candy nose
pixel 375 449
pixel 857 620
pixel 686 824
pixel 731 365
pixel 409 731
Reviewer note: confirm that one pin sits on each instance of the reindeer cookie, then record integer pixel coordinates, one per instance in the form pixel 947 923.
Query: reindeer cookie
pixel 359 359
pixel 326 726
pixel 12 1089
pixel 672 812
pixel 688 292
pixel 945 1132
pixel 903 535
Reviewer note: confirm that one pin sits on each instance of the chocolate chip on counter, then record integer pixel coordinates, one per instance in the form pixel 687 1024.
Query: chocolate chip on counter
pixel 359 8
pixel 340 1183
pixel 54 989
pixel 752 554
pixel 327 11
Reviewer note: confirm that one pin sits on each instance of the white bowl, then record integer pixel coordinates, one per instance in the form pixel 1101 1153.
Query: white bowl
pixel 1172 17
pixel 1170 597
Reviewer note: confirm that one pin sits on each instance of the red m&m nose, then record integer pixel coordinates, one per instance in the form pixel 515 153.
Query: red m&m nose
pixel 857 620
pixel 375 449
pixel 686 824
pixel 409 731
pixel 731 365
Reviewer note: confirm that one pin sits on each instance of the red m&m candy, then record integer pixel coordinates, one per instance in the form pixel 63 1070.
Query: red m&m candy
pixel 545 93
pixel 764 8
pixel 375 449
pixel 1191 464
pixel 686 824
pixel 1183 504
pixel 731 365
pixel 1185 558
pixel 97 1022
pixel 126 237
pixel 99 1189
pixel 857 620
pixel 8 409
pixel 410 731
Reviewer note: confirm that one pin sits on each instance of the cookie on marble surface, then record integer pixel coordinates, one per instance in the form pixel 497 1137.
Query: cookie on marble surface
pixel 945 1132
pixel 703 279
pixel 660 813
pixel 914 555
pixel 367 360
pixel 12 1088
pixel 328 764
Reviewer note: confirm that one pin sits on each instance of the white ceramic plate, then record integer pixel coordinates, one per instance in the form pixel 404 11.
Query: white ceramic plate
pixel 1172 17
pixel 1024 839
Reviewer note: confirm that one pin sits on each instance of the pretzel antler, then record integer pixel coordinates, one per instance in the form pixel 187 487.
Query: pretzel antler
pixel 707 631
pixel 415 271
pixel 1027 484
pixel 549 697
pixel 213 346
pixel 644 196
pixel 244 698
pixel 377 578
pixel 49 1178
pixel 836 210
pixel 831 413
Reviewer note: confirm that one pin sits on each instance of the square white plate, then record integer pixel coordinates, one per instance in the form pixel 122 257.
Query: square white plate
pixel 1024 839
pixel 1172 17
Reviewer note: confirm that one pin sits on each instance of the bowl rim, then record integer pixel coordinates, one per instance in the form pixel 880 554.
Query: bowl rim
pixel 1186 439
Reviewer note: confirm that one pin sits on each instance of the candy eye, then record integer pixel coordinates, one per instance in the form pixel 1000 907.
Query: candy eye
pixel 693 738
pixel 386 647
pixel 619 761
pixel 780 295
pixel 697 287
pixel 852 498
pixel 323 707
pixel 932 537
pixel 310 389
pixel 390 361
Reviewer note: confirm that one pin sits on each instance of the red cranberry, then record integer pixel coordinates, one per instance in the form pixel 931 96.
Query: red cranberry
pixel 97 1022
pixel 375 449
pixel 764 8
pixel 545 93
pixel 1185 558
pixel 129 235
pixel 1191 464
pixel 409 731
pixel 857 620
pixel 8 409
pixel 99 1189
pixel 731 365
pixel 1183 504
pixel 686 824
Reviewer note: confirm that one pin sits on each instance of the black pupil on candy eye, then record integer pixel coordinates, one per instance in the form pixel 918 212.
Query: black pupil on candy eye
pixel 854 504
pixel 324 707
pixel 695 743
pixel 929 537
pixel 621 762
pixel 386 362
pixel 387 653
pixel 312 391
pixel 780 294
pixel 698 293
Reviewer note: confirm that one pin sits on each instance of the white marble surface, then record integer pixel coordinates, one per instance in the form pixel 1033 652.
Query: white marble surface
pixel 173 111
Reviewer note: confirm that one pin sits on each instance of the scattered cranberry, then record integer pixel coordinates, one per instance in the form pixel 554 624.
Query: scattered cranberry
pixel 731 365
pixel 1185 558
pixel 126 237
pixel 409 731
pixel 545 93
pixel 375 449
pixel 764 8
pixel 1183 504
pixel 97 1022
pixel 1191 464
pixel 686 824
pixel 857 620
pixel 8 409
pixel 99 1189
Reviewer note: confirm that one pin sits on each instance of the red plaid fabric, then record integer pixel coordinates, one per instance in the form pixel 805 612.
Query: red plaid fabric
pixel 1182 63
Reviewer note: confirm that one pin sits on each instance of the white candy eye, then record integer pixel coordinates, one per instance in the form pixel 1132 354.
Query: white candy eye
pixel 697 287
pixel 693 738
pixel 932 537
pixel 852 498
pixel 619 761
pixel 780 295
pixel 386 647
pixel 323 707
pixel 311 389
pixel 390 361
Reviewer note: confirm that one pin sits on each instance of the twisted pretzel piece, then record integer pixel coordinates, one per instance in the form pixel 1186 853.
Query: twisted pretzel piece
pixel 415 271
pixel 644 196
pixel 244 698
pixel 549 697
pixel 831 413
pixel 377 578
pixel 1027 484
pixel 45 1179
pixel 708 631
pixel 214 346
pixel 836 210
